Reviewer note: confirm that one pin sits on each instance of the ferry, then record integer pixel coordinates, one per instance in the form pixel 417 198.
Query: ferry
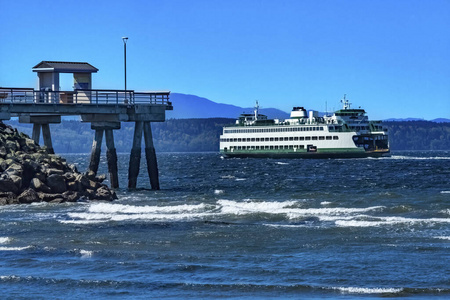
pixel 347 133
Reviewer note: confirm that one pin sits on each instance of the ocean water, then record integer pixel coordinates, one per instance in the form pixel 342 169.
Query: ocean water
pixel 241 228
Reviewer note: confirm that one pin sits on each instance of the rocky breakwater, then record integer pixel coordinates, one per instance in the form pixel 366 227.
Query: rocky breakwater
pixel 28 173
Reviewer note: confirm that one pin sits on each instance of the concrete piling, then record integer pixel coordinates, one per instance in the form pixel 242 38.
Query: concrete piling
pixel 135 155
pixel 47 137
pixel 150 154
pixel 96 150
pixel 111 157
pixel 36 132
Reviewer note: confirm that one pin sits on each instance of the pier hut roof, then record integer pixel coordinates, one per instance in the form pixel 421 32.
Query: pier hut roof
pixel 64 67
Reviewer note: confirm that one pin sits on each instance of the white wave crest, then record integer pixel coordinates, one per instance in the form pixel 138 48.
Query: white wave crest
pixel 241 208
pixel 14 248
pixel 82 221
pixel 86 253
pixel 360 290
pixel 418 158
pixel 443 237
pixel 5 240
pixel 133 209
pixel 381 221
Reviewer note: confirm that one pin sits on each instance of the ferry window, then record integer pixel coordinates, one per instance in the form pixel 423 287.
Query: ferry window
pixel 302 138
pixel 320 128
pixel 314 138
pixel 295 138
pixel 239 140
pixel 328 138
pixel 257 139
pixel 276 147
pixel 291 147
pixel 331 128
pixel 234 140
pixel 302 146
pixel 286 138
pixel 253 139
pixel 291 138
pixel 335 137
pixel 267 139
pixel 257 147
pixel 307 138
pixel 286 147
pixel 276 139
pixel 239 147
pixel 271 139
pixel 271 147
pixel 321 138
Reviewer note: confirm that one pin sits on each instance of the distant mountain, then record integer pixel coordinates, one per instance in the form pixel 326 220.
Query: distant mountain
pixel 441 120
pixel 403 120
pixel 191 107
pixel 438 120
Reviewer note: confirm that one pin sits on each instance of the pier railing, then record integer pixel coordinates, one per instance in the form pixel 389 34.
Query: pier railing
pixel 82 96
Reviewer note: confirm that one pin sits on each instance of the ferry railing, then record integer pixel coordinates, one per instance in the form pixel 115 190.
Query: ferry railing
pixel 82 96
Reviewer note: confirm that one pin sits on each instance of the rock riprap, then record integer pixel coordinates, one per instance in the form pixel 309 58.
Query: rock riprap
pixel 28 173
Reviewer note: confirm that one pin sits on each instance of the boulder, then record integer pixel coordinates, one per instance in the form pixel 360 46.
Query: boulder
pixel 71 196
pixel 7 198
pixel 48 197
pixel 28 196
pixel 84 182
pixel 17 181
pixel 37 185
pixel 3 151
pixel 57 183
pixel 7 184
pixel 103 193
pixel 52 171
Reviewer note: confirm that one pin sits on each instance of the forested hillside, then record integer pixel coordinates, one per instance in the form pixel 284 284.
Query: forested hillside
pixel 192 135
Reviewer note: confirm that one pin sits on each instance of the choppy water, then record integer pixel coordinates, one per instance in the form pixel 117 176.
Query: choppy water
pixel 236 228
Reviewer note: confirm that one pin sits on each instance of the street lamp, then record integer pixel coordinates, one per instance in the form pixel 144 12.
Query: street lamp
pixel 125 39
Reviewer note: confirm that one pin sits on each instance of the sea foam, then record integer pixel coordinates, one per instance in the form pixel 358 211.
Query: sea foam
pixel 5 240
pixel 361 290
pixel 14 248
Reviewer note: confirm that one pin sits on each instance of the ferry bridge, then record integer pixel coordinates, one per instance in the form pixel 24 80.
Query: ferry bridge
pixel 104 109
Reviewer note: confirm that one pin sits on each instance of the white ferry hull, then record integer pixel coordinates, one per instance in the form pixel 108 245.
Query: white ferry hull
pixel 319 154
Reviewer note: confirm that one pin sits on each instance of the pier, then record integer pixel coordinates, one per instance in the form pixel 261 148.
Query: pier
pixel 104 109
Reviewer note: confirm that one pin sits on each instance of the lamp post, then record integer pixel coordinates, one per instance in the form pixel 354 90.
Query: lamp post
pixel 125 39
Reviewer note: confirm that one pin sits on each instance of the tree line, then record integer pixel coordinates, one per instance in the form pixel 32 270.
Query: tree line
pixel 199 135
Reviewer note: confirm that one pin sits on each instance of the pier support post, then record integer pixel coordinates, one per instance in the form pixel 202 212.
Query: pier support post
pixel 150 154
pixel 96 150
pixel 47 138
pixel 36 132
pixel 41 121
pixel 135 155
pixel 111 157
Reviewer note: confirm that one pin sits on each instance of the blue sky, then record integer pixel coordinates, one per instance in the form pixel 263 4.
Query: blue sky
pixel 390 57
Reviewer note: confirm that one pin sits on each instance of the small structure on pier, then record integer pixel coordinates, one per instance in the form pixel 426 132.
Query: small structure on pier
pixel 104 109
